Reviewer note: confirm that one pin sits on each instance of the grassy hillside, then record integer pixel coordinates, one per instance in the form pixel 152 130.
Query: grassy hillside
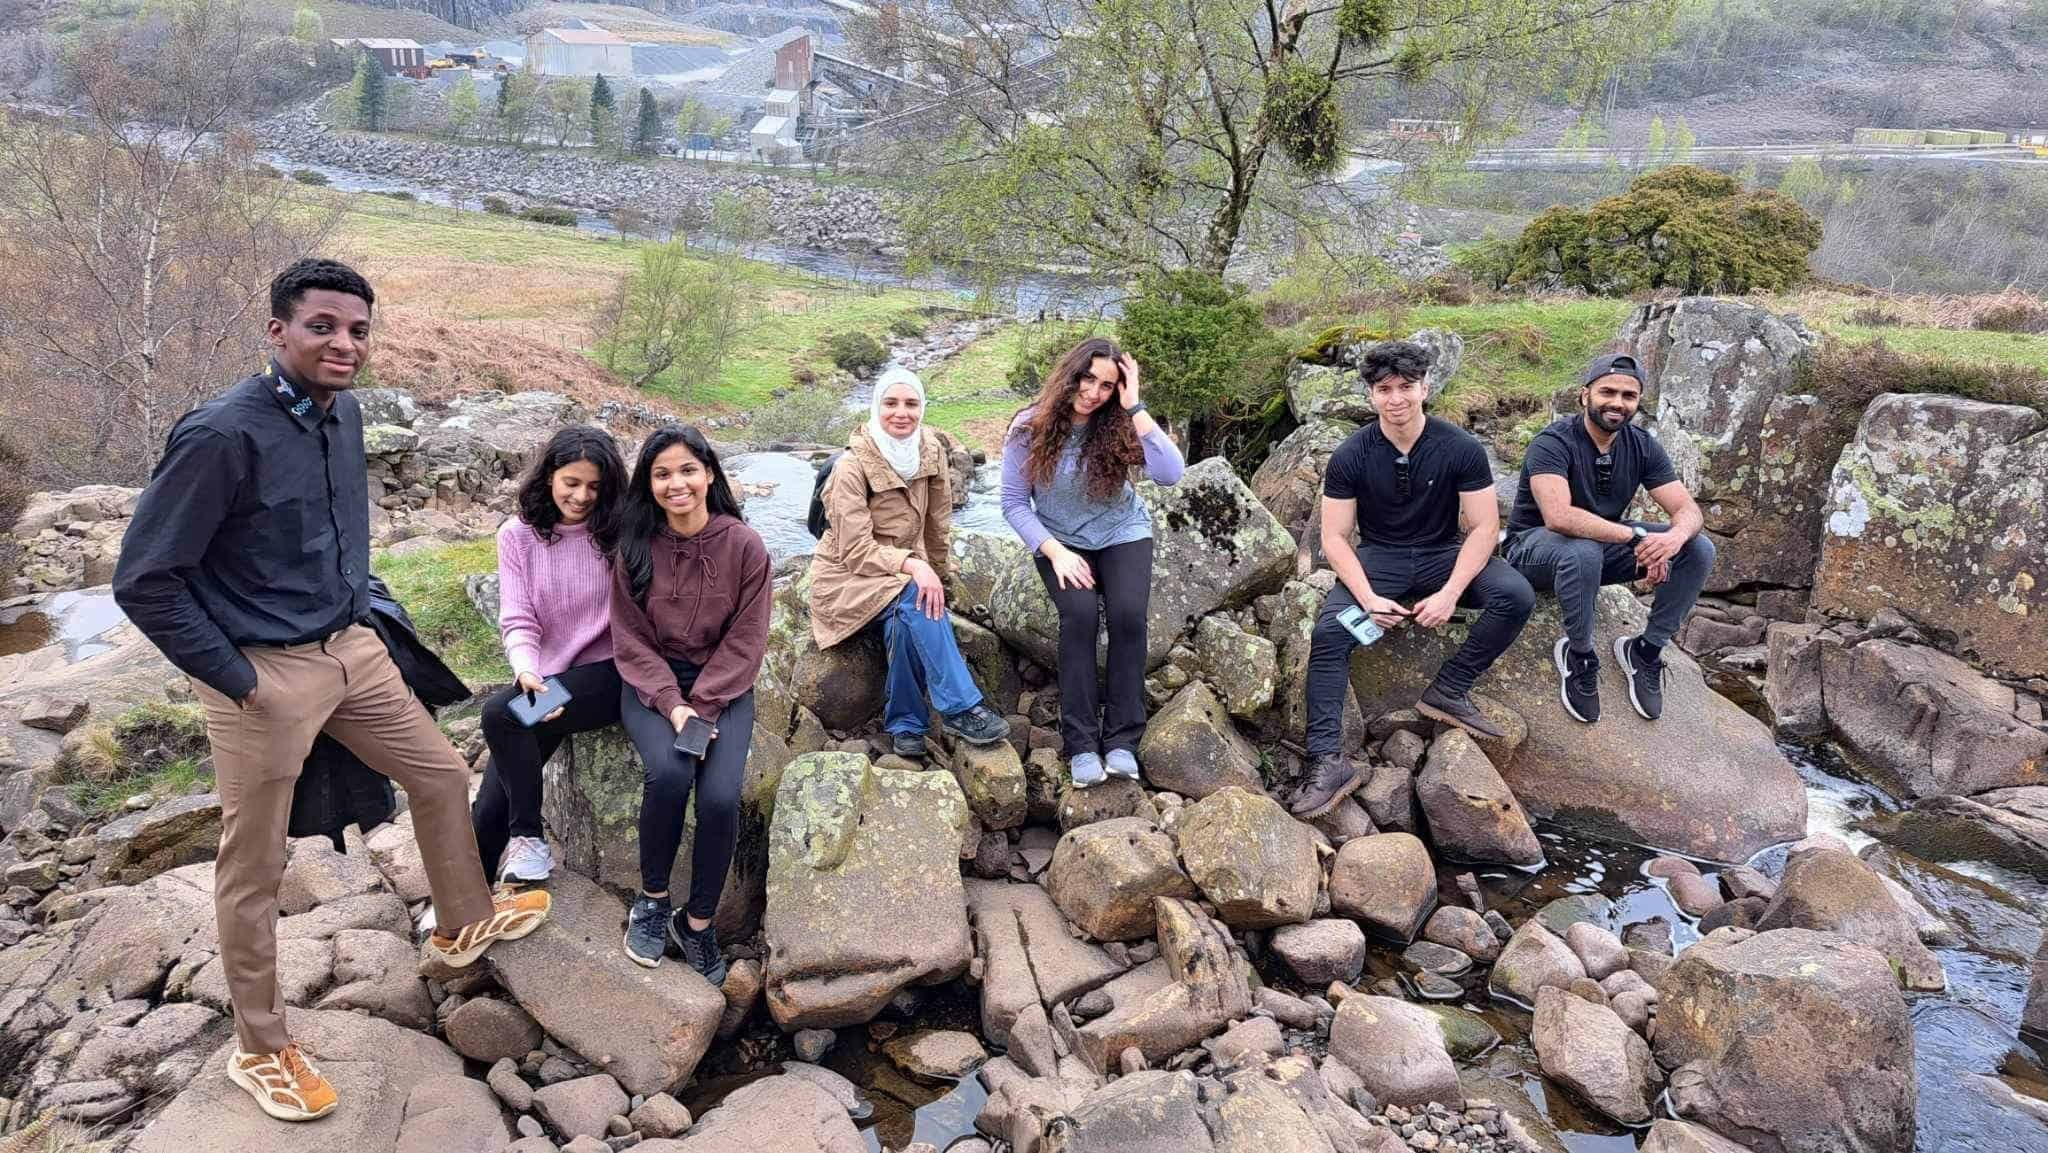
pixel 428 582
pixel 339 17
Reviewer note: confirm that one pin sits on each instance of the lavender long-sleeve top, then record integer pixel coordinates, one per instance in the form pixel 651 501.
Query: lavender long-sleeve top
pixel 1062 510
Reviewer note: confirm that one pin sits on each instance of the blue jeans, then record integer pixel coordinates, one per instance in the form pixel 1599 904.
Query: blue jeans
pixel 924 658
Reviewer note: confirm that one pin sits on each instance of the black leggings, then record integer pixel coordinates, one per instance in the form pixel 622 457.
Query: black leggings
pixel 508 803
pixel 668 779
pixel 1123 582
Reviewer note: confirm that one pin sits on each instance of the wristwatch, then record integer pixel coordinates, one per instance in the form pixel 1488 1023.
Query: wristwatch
pixel 1136 408
pixel 1638 531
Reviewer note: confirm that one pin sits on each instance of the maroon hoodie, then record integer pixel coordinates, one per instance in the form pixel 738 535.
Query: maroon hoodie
pixel 707 603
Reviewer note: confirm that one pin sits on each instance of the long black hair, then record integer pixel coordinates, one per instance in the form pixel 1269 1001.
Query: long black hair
pixel 641 517
pixel 571 445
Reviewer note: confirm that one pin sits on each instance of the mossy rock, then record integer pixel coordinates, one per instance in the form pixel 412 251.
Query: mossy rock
pixel 1333 346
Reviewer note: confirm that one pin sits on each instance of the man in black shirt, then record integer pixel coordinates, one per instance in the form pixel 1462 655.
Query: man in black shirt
pixel 1568 533
pixel 248 564
pixel 1405 481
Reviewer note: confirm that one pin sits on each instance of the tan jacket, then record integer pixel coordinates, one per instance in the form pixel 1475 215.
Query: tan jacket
pixel 878 519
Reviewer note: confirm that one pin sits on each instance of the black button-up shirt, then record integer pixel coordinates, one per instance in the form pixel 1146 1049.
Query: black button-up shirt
pixel 254 530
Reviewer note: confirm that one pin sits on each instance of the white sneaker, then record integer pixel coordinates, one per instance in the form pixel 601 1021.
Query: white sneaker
pixel 1086 770
pixel 1120 763
pixel 526 859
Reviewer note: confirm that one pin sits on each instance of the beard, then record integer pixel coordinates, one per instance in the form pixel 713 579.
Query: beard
pixel 1610 419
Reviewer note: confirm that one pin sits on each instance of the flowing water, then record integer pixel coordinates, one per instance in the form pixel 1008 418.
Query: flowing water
pixel 778 499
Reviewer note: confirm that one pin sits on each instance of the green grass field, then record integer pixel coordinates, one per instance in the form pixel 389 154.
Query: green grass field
pixel 970 396
pixel 429 584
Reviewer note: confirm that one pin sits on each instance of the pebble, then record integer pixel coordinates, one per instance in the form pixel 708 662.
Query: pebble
pixel 1431 957
pixel 813 1044
pixel 1437 987
pixel 528 1126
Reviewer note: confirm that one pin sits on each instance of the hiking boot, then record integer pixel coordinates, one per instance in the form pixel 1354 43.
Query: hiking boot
pixel 700 948
pixel 1121 763
pixel 1578 680
pixel 513 915
pixel 1330 778
pixel 979 726
pixel 1086 770
pixel 527 859
pixel 1644 668
pixel 284 1083
pixel 1437 704
pixel 646 930
pixel 909 746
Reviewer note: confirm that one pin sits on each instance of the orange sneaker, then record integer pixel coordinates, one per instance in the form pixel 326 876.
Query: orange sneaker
pixel 285 1084
pixel 513 915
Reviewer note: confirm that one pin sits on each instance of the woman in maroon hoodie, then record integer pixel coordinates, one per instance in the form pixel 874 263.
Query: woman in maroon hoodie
pixel 690 598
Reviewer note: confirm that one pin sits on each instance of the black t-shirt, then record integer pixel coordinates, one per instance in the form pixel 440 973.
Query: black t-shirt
pixel 1445 462
pixel 1566 449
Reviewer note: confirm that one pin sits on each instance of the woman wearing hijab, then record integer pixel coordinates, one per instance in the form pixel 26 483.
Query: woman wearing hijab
pixel 890 503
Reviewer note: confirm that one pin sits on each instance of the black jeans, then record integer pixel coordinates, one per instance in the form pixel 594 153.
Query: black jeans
pixel 508 803
pixel 1575 568
pixel 1501 594
pixel 668 778
pixel 1123 582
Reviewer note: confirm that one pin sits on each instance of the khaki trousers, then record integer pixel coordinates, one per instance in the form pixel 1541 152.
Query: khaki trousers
pixel 347 687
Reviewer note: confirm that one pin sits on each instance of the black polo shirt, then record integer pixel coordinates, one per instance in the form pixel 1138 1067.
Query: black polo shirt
pixel 1564 448
pixel 1444 462
pixel 254 530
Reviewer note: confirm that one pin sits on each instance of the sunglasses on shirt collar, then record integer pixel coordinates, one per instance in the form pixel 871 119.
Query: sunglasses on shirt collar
pixel 1603 473
pixel 1401 477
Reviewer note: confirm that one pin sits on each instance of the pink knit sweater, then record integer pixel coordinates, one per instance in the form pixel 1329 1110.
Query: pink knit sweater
pixel 554 600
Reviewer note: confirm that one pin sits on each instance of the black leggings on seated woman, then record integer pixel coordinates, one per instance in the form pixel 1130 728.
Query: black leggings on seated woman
pixel 667 781
pixel 1123 584
pixel 508 803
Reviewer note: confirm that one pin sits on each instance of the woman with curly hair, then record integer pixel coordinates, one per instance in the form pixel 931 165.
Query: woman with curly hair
pixel 1068 464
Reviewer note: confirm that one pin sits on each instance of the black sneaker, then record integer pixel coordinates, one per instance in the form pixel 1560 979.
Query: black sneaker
pixel 979 725
pixel 1459 710
pixel 1327 780
pixel 1578 680
pixel 700 948
pixel 909 746
pixel 644 941
pixel 1644 667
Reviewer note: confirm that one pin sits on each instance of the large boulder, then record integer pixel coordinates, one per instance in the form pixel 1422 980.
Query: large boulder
pixel 1244 667
pixel 1533 959
pixel 1588 1049
pixel 851 847
pixel 592 806
pixel 978 559
pixel 786 1113
pixel 1028 957
pixel 1827 889
pixel 1252 861
pixel 1217 541
pixel 648 1029
pixel 1725 397
pixel 992 779
pixel 2035 1017
pixel 1472 814
pixel 1289 483
pixel 1387 882
pixel 1207 986
pixel 2005 827
pixel 1792 678
pixel 1397 1049
pixel 1105 875
pixel 1151 1111
pixel 1191 747
pixel 86 504
pixel 844 686
pixel 179 831
pixel 1935 511
pixel 99 658
pixel 1322 951
pixel 1790 1040
pixel 1925 722
pixel 496 433
pixel 1707 779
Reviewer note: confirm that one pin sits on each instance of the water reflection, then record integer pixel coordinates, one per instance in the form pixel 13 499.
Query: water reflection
pixel 78 620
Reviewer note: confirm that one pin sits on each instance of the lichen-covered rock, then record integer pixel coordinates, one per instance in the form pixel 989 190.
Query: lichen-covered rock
pixel 1725 397
pixel 1252 860
pixel 1926 723
pixel 1191 747
pixel 1208 987
pixel 180 831
pixel 1243 666
pixel 978 559
pixel 1706 779
pixel 1472 814
pixel 496 433
pixel 1105 875
pixel 592 806
pixel 1792 1040
pixel 1289 483
pixel 1935 511
pixel 1217 541
pixel 1792 678
pixel 993 781
pixel 1833 891
pixel 1386 881
pixel 851 847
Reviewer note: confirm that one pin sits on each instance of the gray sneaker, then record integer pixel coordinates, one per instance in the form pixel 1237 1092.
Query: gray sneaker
pixel 526 859
pixel 1120 763
pixel 700 948
pixel 1086 769
pixel 647 930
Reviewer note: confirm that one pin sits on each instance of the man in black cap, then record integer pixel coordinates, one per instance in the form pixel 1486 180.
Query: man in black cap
pixel 1568 534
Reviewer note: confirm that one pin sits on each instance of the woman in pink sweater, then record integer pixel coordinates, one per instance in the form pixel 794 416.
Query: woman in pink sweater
pixel 554 589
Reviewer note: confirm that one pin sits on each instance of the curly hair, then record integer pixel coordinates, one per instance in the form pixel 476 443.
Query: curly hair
pixel 1109 448
pixel 570 445
pixel 1402 358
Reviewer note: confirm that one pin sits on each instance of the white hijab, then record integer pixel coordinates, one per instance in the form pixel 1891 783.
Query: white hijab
pixel 902 453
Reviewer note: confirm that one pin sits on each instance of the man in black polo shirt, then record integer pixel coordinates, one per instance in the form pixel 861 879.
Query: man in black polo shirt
pixel 1404 481
pixel 1567 533
pixel 248 564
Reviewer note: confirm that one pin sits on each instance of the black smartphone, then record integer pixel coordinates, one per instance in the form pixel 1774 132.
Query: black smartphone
pixel 695 737
pixel 529 708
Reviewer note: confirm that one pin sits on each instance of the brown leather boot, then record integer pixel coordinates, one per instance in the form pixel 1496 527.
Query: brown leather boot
pixel 1328 779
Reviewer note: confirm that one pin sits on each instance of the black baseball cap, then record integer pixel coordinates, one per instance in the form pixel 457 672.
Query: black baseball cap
pixel 1617 364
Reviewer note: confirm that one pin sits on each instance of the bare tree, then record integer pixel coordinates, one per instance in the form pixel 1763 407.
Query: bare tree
pixel 137 241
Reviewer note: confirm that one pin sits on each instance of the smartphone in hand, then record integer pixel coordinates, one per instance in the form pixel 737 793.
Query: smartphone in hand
pixel 695 737
pixel 1360 625
pixel 529 708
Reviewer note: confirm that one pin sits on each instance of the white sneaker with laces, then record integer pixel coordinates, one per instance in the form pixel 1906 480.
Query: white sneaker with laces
pixel 527 859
